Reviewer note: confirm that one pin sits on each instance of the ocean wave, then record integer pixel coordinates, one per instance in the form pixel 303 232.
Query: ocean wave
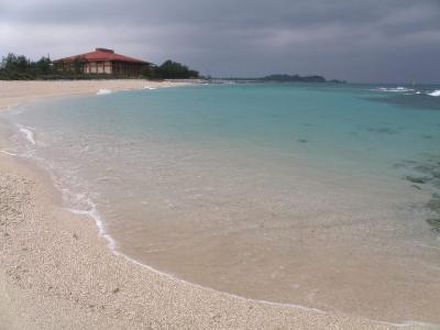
pixel 104 92
pixel 94 214
pixel 27 133
pixel 398 89
pixel 434 93
pixel 149 88
pixel 77 199
pixel 408 91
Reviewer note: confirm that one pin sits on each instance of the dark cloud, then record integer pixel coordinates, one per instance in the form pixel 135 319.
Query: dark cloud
pixel 358 40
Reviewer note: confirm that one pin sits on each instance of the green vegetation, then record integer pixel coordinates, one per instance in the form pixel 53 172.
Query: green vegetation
pixel 171 70
pixel 19 67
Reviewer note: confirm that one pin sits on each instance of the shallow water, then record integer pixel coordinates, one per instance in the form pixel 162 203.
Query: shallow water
pixel 315 195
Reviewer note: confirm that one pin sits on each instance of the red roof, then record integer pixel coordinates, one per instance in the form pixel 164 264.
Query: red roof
pixel 102 54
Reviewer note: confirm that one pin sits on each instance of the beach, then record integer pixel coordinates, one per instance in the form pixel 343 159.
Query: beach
pixel 58 272
pixel 13 93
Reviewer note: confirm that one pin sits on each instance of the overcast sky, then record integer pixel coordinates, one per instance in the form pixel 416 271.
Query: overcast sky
pixel 357 40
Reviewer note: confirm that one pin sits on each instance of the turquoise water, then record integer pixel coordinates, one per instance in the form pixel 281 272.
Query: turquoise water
pixel 280 192
pixel 354 124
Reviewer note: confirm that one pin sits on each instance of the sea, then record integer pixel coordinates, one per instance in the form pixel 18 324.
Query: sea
pixel 325 196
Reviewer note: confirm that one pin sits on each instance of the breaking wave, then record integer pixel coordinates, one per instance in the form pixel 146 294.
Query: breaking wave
pixel 29 135
pixel 434 93
pixel 398 89
pixel 103 92
pixel 408 91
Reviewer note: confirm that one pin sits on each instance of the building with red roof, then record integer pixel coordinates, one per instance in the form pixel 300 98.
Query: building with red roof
pixel 103 61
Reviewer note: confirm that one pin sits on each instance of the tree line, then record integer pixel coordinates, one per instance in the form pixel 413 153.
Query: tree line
pixel 172 70
pixel 19 67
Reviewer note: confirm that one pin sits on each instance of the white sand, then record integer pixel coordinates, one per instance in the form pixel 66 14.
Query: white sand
pixel 20 92
pixel 57 273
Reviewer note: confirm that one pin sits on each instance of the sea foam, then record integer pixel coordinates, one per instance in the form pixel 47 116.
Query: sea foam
pixel 8 153
pixel 103 92
pixel 398 89
pixel 27 133
pixel 408 91
pixel 434 93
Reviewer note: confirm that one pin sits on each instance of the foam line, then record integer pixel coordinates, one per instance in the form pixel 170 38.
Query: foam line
pixel 7 153
pixel 94 214
pixel 27 133
pixel 103 92
pixel 434 93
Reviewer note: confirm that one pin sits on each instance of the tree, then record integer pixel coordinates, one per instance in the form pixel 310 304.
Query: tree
pixel 43 66
pixel 78 65
pixel 14 63
pixel 15 67
pixel 174 70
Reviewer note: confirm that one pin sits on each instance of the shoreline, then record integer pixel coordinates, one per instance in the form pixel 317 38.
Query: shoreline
pixel 100 288
pixel 18 92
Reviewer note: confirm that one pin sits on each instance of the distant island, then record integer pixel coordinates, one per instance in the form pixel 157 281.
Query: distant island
pixel 290 78
pixel 298 78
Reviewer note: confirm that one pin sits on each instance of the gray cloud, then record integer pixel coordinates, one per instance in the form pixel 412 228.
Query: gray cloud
pixel 376 40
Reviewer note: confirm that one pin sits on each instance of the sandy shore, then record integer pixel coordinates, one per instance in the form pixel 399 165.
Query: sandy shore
pixel 20 92
pixel 57 273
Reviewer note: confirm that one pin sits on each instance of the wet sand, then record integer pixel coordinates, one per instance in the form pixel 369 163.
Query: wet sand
pixel 57 272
